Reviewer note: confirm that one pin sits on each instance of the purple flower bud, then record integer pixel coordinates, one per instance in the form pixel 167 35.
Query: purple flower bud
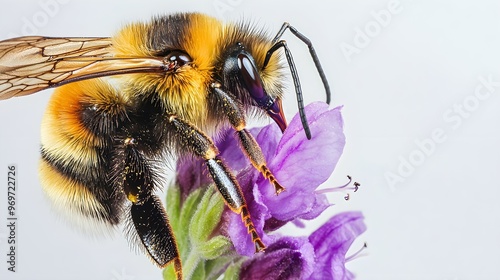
pixel 321 256
pixel 287 258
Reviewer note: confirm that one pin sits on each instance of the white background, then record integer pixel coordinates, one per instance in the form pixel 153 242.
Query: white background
pixel 404 81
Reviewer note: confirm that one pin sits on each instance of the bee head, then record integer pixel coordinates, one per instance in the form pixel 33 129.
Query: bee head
pixel 242 79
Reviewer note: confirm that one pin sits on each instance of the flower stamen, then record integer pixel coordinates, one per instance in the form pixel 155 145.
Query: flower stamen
pixel 357 254
pixel 346 187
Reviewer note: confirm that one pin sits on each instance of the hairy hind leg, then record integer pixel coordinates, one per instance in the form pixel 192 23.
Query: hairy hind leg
pixel 201 145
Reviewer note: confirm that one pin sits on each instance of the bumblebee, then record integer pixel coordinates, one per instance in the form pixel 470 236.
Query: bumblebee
pixel 177 82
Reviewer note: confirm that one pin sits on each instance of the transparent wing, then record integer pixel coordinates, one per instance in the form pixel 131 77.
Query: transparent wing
pixel 33 63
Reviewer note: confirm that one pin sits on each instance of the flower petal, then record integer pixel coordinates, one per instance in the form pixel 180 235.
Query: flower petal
pixel 191 174
pixel 311 162
pixel 236 229
pixel 332 241
pixel 268 138
pixel 230 152
pixel 287 258
pixel 300 198
pixel 301 165
pixel 319 205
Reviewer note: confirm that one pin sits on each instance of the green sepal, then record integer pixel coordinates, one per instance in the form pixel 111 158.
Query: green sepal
pixel 199 272
pixel 207 216
pixel 233 271
pixel 218 266
pixel 193 222
pixel 168 272
pixel 214 247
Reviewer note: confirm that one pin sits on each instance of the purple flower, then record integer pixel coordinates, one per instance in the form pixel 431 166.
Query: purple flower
pixel 287 258
pixel 299 164
pixel 332 241
pixel 321 256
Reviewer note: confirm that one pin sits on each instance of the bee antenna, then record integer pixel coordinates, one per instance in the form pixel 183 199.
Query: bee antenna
pixel 277 43
pixel 312 51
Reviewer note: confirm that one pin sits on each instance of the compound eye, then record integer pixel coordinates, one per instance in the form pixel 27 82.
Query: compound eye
pixel 252 81
pixel 178 58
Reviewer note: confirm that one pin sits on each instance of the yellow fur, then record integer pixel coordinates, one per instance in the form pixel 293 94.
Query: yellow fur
pixel 77 150
pixel 62 133
pixel 131 41
pixel 184 92
pixel 62 130
pixel 66 193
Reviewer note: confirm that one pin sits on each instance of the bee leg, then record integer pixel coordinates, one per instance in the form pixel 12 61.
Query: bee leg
pixel 153 228
pixel 277 44
pixel 136 177
pixel 201 145
pixel 252 150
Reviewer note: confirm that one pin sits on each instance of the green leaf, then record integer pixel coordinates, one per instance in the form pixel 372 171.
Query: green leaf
pixel 233 271
pixel 214 247
pixel 184 213
pixel 207 217
pixel 194 221
pixel 199 272
pixel 168 272
pixel 173 206
pixel 216 267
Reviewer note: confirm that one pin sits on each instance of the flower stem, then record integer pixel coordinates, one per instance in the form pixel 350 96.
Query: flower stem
pixel 191 262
